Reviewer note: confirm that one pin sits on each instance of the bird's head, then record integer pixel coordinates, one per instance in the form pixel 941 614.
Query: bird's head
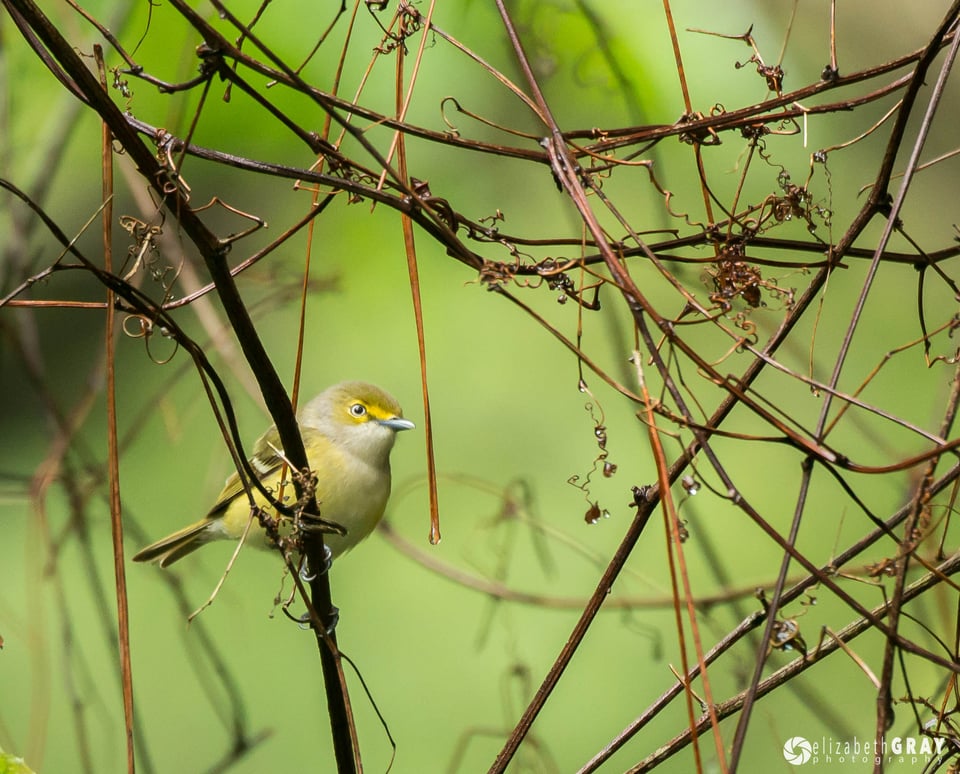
pixel 359 417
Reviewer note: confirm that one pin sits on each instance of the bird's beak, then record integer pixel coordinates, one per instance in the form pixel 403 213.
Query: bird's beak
pixel 397 423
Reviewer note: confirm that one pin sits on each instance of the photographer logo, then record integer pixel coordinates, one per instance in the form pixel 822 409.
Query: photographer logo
pixel 826 751
pixel 797 750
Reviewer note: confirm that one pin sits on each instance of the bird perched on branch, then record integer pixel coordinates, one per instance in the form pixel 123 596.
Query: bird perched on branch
pixel 348 431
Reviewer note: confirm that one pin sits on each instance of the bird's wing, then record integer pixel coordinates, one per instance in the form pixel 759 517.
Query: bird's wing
pixel 265 461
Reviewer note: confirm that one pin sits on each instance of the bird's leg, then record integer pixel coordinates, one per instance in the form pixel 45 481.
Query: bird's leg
pixel 309 574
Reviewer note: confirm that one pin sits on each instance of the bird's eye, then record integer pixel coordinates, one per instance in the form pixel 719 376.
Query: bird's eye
pixel 358 410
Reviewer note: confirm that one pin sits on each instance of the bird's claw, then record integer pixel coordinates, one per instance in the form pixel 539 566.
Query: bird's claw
pixel 304 621
pixel 308 576
pixel 333 620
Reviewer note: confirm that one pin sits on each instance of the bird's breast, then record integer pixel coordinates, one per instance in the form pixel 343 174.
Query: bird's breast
pixel 354 495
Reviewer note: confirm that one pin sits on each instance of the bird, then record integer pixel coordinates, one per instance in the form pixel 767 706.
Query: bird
pixel 348 431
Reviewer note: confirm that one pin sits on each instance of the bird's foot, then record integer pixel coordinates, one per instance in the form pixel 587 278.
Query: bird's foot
pixel 334 618
pixel 308 575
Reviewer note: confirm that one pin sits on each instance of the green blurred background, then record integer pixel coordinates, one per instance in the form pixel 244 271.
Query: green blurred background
pixel 450 668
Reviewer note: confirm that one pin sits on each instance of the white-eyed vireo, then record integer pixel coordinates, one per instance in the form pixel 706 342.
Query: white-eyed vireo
pixel 348 432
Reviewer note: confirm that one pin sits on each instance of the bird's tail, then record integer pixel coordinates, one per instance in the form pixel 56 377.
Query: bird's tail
pixel 176 546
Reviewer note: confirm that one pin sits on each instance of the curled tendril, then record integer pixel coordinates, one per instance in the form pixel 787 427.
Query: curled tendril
pixel 409 22
pixel 735 278
pixel 706 135
pixel 139 326
pixel 594 511
pixel 772 74
pixel 172 182
pixel 122 85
